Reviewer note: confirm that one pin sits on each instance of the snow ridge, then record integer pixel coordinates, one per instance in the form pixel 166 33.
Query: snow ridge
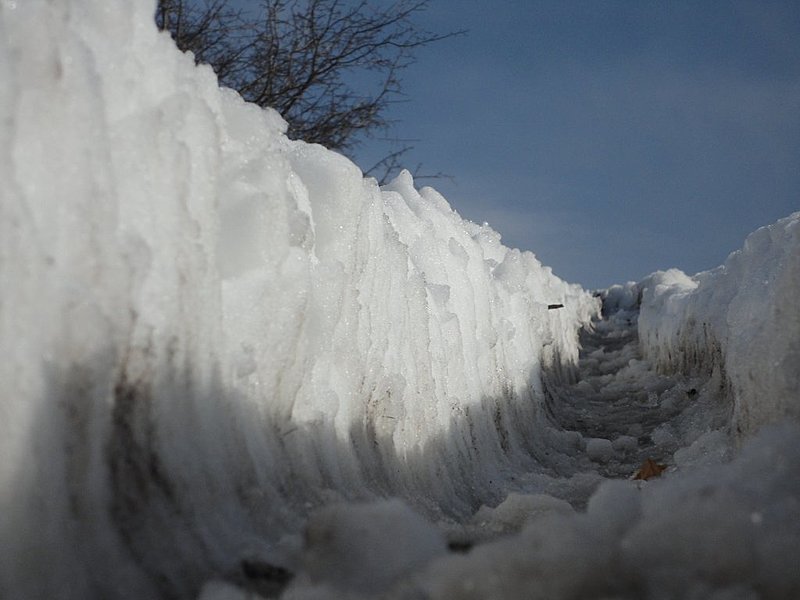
pixel 741 319
pixel 208 329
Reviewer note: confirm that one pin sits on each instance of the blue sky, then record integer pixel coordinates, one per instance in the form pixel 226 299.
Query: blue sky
pixel 612 139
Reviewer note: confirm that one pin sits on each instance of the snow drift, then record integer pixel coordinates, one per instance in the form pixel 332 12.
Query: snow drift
pixel 209 331
pixel 742 319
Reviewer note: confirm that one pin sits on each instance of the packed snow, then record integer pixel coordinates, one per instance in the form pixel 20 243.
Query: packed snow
pixel 233 367
pixel 742 319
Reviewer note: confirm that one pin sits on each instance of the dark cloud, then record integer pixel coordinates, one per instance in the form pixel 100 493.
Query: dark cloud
pixel 644 135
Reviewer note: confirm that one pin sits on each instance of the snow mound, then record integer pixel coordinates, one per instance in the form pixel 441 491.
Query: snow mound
pixel 208 330
pixel 517 510
pixel 728 531
pixel 367 548
pixel 741 320
pixel 599 449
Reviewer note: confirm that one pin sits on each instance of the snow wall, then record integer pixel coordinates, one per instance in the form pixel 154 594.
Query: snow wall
pixel 741 319
pixel 208 329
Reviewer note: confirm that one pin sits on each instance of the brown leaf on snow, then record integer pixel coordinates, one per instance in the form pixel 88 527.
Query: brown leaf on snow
pixel 649 469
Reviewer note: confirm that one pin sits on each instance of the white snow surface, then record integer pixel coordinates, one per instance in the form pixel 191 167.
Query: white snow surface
pixel 235 368
pixel 742 318
pixel 208 329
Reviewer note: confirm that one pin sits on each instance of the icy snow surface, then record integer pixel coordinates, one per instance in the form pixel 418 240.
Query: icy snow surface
pixel 741 319
pixel 233 367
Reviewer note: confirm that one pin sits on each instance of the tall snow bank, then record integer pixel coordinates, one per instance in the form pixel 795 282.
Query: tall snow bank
pixel 207 329
pixel 742 319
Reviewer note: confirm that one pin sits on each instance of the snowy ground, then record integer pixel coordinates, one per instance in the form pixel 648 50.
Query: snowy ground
pixel 232 366
pixel 717 522
pixel 627 412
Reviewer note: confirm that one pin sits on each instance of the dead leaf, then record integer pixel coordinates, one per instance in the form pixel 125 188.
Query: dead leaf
pixel 649 469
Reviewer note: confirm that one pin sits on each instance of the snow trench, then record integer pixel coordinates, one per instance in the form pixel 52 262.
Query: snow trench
pixel 232 366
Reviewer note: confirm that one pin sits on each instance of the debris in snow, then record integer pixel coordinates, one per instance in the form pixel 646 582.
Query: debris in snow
pixel 266 578
pixel 221 590
pixel 649 469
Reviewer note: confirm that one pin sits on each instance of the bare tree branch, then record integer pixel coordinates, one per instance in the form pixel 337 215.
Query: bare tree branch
pixel 308 60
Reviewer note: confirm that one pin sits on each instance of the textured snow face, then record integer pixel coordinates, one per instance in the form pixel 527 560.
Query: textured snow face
pixel 221 350
pixel 741 319
pixel 208 330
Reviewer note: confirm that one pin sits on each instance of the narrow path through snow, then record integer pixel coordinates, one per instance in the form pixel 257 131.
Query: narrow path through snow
pixel 625 411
